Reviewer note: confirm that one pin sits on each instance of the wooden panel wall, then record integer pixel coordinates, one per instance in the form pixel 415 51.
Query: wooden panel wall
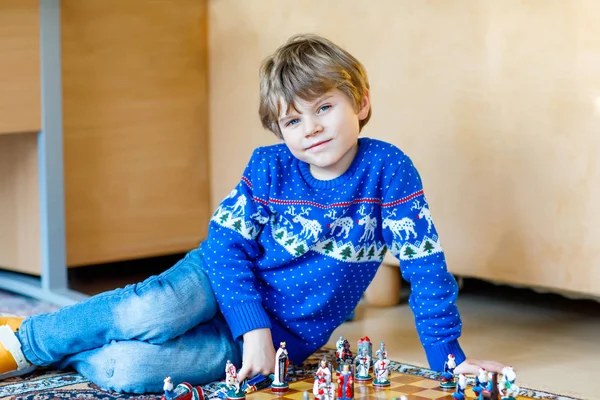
pixel 135 127
pixel 497 102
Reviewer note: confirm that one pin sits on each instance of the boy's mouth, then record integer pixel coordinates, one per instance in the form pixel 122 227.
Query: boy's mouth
pixel 318 144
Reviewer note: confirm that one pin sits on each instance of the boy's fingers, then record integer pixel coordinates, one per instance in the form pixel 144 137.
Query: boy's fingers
pixel 242 374
pixel 467 368
pixel 472 367
pixel 492 366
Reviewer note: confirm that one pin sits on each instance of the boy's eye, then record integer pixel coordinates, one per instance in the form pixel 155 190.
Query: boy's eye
pixel 324 108
pixel 293 122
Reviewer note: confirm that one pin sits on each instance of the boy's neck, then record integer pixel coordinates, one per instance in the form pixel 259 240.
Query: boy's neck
pixel 327 174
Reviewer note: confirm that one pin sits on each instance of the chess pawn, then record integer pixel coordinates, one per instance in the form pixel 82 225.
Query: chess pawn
pixel 346 383
pixel 381 370
pixel 280 384
pixel 448 381
pixel 363 367
pixel 460 388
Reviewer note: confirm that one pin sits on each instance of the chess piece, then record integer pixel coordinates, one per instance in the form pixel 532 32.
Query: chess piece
pixel 365 343
pixel 323 389
pixel 507 387
pixel 346 383
pixel 481 381
pixel 168 388
pixel 495 393
pixel 280 384
pixel 381 369
pixel 363 366
pixel 491 391
pixel 339 352
pixel 381 350
pixel 347 355
pixel 460 388
pixel 234 392
pixel 448 381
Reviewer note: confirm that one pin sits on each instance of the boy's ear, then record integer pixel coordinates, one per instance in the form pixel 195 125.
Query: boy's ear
pixel 365 106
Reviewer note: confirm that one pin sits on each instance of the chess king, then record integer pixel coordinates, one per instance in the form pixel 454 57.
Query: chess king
pixel 346 383
pixel 280 384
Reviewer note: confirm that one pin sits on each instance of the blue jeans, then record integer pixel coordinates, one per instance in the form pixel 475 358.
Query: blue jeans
pixel 129 339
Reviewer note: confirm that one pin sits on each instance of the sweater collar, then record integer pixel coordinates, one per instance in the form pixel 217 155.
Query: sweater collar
pixel 363 144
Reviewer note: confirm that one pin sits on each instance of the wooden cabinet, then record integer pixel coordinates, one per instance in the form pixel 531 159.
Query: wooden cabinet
pixel 19 67
pixel 19 124
pixel 135 128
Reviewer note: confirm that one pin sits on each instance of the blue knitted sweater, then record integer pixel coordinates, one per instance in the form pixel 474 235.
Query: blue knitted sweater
pixel 292 253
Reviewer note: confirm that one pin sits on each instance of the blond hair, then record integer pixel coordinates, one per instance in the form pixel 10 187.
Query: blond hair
pixel 306 67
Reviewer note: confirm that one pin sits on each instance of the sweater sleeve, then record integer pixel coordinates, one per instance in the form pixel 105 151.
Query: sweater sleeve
pixel 231 248
pixel 411 236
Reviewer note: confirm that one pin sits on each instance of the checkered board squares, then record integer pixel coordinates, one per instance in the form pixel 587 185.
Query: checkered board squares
pixel 412 386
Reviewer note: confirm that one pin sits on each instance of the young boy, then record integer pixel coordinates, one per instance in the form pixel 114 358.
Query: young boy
pixel 289 252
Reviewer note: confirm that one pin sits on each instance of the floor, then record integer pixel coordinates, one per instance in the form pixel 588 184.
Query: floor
pixel 552 342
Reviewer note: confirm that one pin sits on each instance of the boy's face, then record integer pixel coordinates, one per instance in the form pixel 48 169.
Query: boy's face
pixel 324 132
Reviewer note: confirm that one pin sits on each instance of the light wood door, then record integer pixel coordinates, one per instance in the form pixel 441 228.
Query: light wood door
pixel 135 127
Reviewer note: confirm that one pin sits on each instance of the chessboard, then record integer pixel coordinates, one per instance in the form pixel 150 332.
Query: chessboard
pixel 411 386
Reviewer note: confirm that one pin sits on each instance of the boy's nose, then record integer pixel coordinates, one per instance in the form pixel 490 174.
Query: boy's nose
pixel 313 128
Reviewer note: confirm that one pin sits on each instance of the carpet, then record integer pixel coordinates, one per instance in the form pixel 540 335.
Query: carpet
pixel 48 384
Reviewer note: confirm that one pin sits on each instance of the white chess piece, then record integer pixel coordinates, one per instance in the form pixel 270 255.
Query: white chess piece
pixel 462 381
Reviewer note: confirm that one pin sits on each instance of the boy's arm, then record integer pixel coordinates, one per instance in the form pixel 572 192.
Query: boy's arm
pixel 411 236
pixel 231 248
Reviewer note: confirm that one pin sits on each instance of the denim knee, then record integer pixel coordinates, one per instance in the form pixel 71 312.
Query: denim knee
pixel 113 370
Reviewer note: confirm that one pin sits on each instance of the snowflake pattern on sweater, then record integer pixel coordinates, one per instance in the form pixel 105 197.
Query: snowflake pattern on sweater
pixel 295 254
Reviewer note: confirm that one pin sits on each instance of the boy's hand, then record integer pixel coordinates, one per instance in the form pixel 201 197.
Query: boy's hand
pixel 471 366
pixel 259 354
